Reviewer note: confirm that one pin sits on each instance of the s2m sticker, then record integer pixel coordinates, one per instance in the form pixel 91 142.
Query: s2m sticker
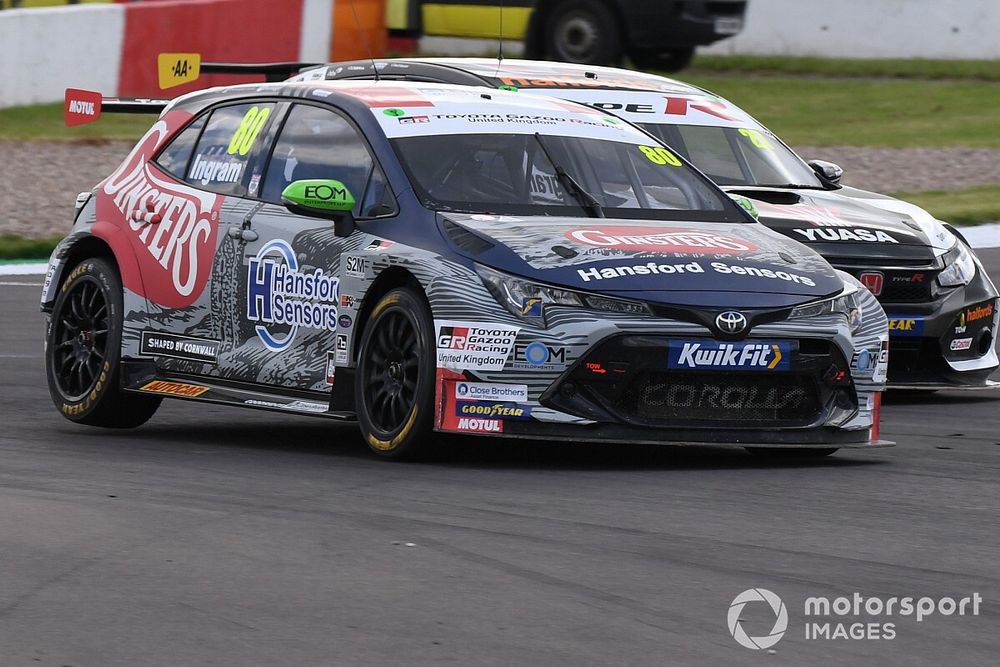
pixel 660 156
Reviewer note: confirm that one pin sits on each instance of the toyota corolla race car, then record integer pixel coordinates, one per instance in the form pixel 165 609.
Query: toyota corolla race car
pixel 423 256
pixel 942 305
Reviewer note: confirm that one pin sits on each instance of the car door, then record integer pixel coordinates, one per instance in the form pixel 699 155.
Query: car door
pixel 216 155
pixel 288 324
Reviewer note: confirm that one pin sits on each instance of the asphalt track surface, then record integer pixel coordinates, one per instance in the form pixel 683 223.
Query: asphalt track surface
pixel 221 536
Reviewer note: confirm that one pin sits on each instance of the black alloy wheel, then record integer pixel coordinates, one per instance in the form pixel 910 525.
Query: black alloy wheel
pixel 395 378
pixel 83 349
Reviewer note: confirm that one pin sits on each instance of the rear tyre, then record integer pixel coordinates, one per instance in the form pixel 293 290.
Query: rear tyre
pixel 394 383
pixel 792 452
pixel 583 31
pixel 673 60
pixel 83 351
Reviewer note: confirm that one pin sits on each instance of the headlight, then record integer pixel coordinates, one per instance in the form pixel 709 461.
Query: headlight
pixel 847 303
pixel 527 299
pixel 961 270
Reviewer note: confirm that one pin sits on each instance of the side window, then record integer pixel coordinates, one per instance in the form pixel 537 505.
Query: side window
pixel 709 150
pixel 174 158
pixel 224 149
pixel 318 143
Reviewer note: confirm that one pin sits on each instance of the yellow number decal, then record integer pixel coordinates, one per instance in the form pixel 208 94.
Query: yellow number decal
pixel 757 139
pixel 660 155
pixel 246 133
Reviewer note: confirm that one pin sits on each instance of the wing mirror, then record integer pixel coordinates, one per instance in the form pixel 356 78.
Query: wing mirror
pixel 322 198
pixel 828 171
pixel 746 204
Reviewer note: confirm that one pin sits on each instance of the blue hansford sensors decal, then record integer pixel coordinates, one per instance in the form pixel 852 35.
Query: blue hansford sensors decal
pixel 713 355
pixel 906 325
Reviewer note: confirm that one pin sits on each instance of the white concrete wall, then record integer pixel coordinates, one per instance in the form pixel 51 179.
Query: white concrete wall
pixel 317 27
pixel 45 51
pixel 946 29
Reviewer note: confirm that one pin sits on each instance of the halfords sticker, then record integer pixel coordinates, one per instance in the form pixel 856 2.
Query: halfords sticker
pixel 657 269
pixel 978 312
pixel 660 240
pixel 474 346
pixel 175 388
pixel 492 410
pixel 482 391
pixel 743 356
pixel 281 297
pixel 906 326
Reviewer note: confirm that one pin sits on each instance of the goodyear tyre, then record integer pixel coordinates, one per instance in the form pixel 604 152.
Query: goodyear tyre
pixel 394 382
pixel 83 350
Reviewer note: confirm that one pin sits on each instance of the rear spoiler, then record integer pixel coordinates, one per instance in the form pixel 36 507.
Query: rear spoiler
pixel 175 69
pixel 86 106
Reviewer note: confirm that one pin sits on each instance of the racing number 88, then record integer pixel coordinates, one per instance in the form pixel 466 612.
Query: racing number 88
pixel 660 155
pixel 246 133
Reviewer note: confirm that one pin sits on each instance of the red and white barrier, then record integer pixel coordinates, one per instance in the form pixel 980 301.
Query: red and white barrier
pixel 113 48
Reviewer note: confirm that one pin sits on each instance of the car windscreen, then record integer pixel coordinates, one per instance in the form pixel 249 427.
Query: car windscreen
pixel 536 174
pixel 737 156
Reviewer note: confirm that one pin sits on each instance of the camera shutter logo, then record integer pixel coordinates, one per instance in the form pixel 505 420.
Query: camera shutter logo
pixel 731 322
pixel 780 620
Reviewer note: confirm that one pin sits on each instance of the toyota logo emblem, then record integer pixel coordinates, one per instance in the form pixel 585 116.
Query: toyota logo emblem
pixel 731 322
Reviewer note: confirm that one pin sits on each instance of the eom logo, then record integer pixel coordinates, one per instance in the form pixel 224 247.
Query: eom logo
pixel 780 620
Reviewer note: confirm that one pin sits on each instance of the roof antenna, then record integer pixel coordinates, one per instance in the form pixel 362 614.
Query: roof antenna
pixel 368 46
pixel 500 49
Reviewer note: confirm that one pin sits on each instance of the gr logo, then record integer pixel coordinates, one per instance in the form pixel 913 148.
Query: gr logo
pixel 780 618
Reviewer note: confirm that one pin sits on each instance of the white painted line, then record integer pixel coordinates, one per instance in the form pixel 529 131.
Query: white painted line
pixel 982 236
pixel 21 284
pixel 28 269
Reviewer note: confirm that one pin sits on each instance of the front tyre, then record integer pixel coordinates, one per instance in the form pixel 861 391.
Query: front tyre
pixel 83 351
pixel 394 383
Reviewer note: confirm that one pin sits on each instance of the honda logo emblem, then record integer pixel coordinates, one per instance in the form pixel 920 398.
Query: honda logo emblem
pixel 731 322
pixel 873 280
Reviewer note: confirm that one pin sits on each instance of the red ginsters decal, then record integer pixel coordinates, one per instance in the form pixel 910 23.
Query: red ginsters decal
pixel 660 240
pixel 171 227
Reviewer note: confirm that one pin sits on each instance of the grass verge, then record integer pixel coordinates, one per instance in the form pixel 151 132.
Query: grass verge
pixel 803 111
pixel 960 207
pixel 45 122
pixel 971 70
pixel 900 114
pixel 16 247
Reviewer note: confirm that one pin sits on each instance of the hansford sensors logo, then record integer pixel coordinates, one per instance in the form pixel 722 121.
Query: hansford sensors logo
pixel 854 617
pixel 278 294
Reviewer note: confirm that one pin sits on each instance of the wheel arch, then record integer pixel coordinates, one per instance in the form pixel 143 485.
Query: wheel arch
pixel 386 281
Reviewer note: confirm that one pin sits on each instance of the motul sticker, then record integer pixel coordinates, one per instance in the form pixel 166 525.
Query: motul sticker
pixel 82 106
